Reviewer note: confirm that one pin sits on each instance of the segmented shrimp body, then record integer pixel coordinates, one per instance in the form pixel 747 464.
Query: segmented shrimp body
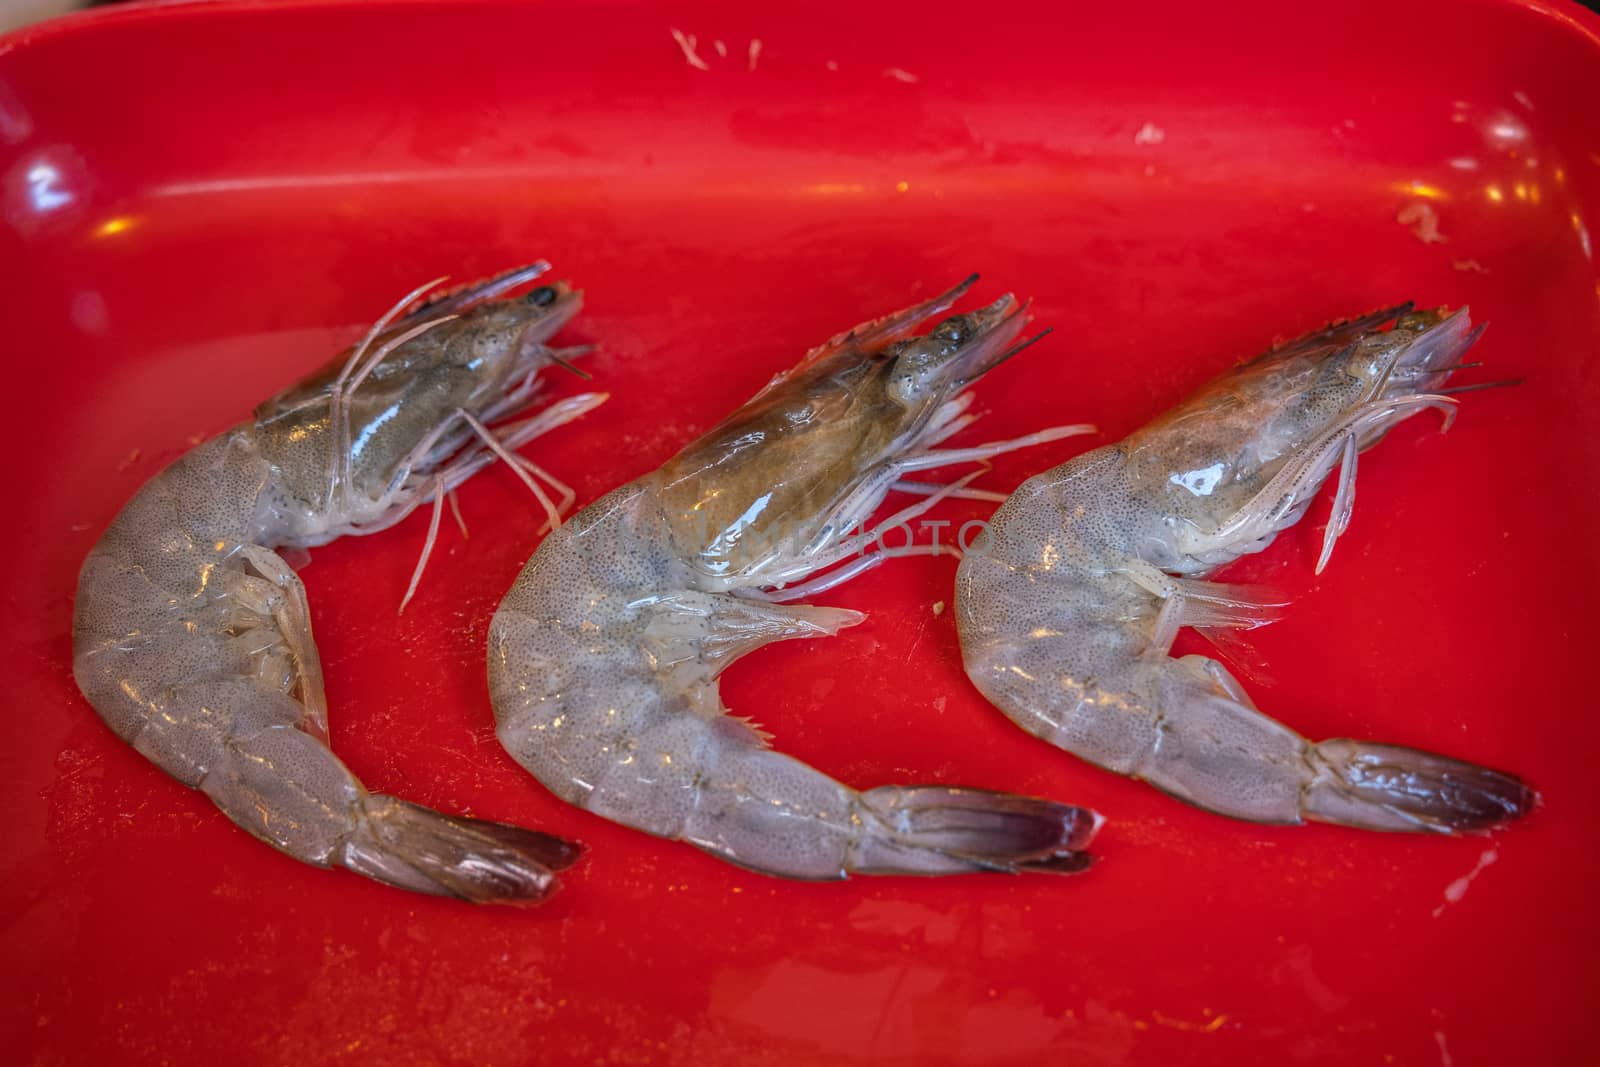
pixel 192 637
pixel 1068 608
pixel 605 654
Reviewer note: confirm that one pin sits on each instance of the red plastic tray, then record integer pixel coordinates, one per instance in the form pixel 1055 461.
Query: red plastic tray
pixel 201 201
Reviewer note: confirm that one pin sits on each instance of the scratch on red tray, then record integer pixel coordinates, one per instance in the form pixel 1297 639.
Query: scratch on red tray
pixel 901 75
pixel 921 632
pixel 1458 888
pixel 1444 1050
pixel 686 41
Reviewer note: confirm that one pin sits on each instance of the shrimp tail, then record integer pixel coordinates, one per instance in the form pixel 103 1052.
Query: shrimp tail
pixel 942 830
pixel 416 848
pixel 1389 787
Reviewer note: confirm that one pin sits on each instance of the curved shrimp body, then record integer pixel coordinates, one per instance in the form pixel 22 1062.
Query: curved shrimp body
pixel 192 637
pixel 604 656
pixel 1069 608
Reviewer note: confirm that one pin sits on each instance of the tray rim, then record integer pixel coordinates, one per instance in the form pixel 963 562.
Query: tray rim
pixel 1570 15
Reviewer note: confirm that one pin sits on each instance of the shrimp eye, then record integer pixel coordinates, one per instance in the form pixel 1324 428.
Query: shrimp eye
pixel 542 297
pixel 955 330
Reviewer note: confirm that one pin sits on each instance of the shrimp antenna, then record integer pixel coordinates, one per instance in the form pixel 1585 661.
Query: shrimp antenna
pixel 341 401
pixel 517 468
pixel 1013 350
pixel 338 403
pixel 1477 385
pixel 388 347
pixel 427 545
pixel 568 365
pixel 382 324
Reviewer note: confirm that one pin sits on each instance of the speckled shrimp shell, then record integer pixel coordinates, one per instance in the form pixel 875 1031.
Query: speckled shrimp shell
pixel 605 654
pixel 1088 570
pixel 192 636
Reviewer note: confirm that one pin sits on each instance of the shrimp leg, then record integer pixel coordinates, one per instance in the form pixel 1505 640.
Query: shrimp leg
pixel 291 613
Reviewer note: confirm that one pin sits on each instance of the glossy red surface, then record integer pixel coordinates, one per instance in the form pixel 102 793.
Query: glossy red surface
pixel 201 201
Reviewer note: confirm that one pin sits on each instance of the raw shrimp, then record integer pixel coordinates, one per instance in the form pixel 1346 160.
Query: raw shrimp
pixel 192 637
pixel 604 656
pixel 1068 607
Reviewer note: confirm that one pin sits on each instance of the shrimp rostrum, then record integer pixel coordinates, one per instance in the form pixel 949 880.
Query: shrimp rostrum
pixel 1068 606
pixel 605 655
pixel 192 637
